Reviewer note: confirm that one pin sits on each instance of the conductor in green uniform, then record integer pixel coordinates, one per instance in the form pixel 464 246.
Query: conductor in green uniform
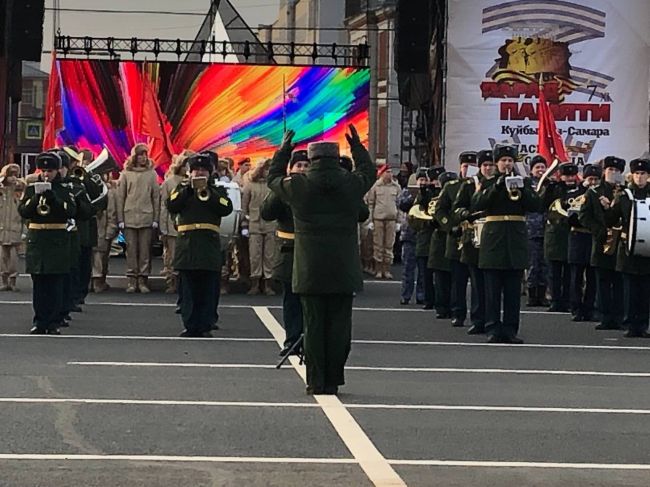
pixel 48 255
pixel 327 267
pixel 199 205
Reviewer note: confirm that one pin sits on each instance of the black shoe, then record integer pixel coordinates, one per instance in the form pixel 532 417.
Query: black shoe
pixel 215 327
pixel 67 317
pixel 515 340
pixel 427 306
pixel 457 322
pixel 404 301
pixel 37 331
pixel 177 310
pixel 604 326
pixel 331 390
pixel 64 324
pixel 636 334
pixel 53 331
pixel 495 339
pixel 578 318
pixel 186 334
pixel 589 317
pixel 312 391
pixel 476 330
pixel 443 316
pixel 419 301
pixel 206 334
pixel 76 309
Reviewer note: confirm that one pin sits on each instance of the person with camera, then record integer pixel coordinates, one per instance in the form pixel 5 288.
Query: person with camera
pixel 47 205
pixel 198 205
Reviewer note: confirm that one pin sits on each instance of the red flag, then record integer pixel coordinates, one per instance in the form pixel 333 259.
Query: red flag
pixel 53 113
pixel 154 124
pixel 549 142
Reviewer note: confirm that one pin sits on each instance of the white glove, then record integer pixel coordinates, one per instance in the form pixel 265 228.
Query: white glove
pixel 120 225
pixel 154 225
pixel 244 232
pixel 371 226
pixel 398 227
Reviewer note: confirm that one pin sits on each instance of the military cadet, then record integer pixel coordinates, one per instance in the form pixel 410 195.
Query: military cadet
pixel 503 248
pixel 583 275
pixel 199 205
pixel 451 225
pixel 537 273
pixel 327 267
pixel 438 261
pixel 556 236
pixel 635 268
pixel 469 250
pixel 48 254
pixel 605 243
pixel 86 224
pixel 274 209
pixel 71 282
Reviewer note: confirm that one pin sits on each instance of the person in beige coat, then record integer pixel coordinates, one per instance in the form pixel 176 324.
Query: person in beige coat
pixel 138 214
pixel 175 174
pixel 106 232
pixel 11 225
pixel 382 201
pixel 261 233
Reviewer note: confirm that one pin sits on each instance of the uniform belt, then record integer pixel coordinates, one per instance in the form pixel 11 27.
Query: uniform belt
pixel 47 226
pixel 286 235
pixel 505 218
pixel 199 226
pixel 579 230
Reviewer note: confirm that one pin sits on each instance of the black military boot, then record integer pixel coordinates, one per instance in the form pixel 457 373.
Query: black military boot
pixel 533 297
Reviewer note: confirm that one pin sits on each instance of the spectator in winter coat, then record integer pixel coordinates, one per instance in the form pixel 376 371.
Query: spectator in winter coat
pixel 11 225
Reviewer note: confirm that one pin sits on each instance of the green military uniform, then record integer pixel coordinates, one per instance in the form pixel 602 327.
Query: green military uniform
pixel 610 282
pixel 469 253
pixel 327 267
pixel 424 232
pixel 635 268
pixel 47 257
pixel 197 257
pixel 439 262
pixel 556 244
pixel 503 252
pixel 459 272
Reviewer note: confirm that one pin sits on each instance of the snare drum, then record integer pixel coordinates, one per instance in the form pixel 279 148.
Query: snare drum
pixel 230 223
pixel 638 237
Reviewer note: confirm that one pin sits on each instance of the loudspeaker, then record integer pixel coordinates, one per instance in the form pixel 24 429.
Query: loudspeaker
pixel 27 29
pixel 413 36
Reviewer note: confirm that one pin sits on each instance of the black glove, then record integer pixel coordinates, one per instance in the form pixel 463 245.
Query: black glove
pixel 353 137
pixel 456 232
pixel 287 141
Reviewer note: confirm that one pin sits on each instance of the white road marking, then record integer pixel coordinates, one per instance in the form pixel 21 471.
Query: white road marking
pixel 246 306
pixel 174 364
pixel 135 337
pixel 489 464
pixel 252 404
pixel 360 342
pixel 164 458
pixel 435 370
pixel 355 439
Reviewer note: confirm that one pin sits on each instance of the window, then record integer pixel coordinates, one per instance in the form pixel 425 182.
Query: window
pixel 28 95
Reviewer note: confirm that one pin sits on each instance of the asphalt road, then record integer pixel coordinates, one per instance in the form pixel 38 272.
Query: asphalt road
pixel 120 400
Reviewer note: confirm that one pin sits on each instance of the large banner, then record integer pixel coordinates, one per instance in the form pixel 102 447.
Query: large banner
pixel 240 111
pixel 591 58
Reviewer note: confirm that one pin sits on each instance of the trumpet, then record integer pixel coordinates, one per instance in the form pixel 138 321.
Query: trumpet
pixel 43 209
pixel 200 186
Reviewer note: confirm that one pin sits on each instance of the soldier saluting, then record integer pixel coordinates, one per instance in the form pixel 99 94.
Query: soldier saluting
pixel 504 246
pixel 47 205
pixel 199 205
pixel 327 267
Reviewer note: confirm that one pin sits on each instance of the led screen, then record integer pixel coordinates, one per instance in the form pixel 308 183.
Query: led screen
pixel 240 111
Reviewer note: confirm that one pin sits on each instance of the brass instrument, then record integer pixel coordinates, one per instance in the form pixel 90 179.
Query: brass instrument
pixel 419 214
pixel 514 194
pixel 79 173
pixel 612 239
pixel 43 209
pixel 200 186
pixel 574 205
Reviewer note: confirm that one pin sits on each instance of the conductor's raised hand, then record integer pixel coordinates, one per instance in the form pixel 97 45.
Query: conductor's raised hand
pixel 353 137
pixel 287 140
